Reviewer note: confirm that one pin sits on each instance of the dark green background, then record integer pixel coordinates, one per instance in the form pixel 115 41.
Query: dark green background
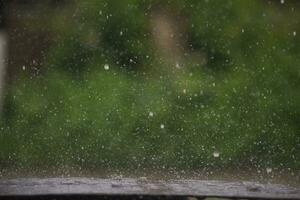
pixel 237 91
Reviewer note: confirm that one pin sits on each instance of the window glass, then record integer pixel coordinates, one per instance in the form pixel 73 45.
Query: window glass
pixel 188 89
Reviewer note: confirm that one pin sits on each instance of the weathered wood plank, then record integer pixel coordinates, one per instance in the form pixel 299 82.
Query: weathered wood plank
pixel 93 186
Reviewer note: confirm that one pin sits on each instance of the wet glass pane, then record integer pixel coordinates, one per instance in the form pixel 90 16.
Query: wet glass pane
pixel 193 89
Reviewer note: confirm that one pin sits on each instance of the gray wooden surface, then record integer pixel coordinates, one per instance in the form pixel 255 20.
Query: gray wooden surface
pixel 142 186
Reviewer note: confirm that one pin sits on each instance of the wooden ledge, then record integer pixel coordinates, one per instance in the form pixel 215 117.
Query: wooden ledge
pixel 33 187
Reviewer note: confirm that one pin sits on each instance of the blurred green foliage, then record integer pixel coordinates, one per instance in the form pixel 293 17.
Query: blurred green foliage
pixel 242 102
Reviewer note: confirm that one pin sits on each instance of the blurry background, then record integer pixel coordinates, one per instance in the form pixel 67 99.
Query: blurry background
pixel 147 85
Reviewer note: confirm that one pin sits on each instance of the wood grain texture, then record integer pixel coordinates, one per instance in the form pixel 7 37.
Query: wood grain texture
pixel 93 186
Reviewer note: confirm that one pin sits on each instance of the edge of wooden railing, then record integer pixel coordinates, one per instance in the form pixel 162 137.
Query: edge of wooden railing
pixel 127 186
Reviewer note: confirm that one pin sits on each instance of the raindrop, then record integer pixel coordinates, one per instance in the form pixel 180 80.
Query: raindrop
pixel 177 65
pixel 143 178
pixel 269 170
pixel 294 33
pixel 216 154
pixel 121 33
pixel 106 67
pixel 151 114
pixel 282 1
pixel 23 67
pixel 162 126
